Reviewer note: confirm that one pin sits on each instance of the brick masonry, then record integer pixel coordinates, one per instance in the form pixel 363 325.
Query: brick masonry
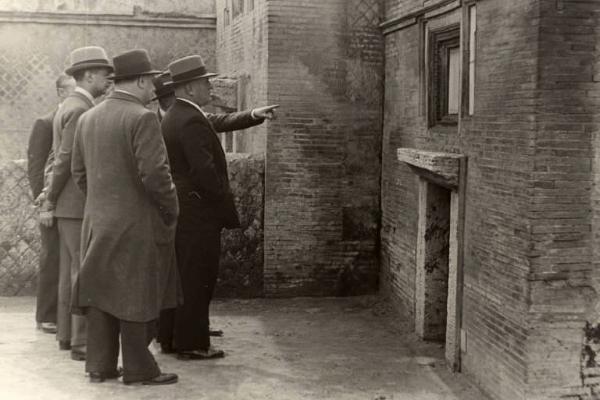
pixel 322 62
pixel 531 224
pixel 35 47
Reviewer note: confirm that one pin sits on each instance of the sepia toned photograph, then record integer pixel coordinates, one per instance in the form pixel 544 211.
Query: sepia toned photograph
pixel 299 199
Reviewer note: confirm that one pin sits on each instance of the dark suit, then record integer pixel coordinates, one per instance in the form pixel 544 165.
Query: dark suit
pixel 69 201
pixel 40 147
pixel 199 169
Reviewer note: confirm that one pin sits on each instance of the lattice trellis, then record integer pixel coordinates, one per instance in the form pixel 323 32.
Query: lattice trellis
pixel 365 13
pixel 19 235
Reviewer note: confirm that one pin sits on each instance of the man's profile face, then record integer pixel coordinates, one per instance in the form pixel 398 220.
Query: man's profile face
pixel 100 81
pixel 66 88
pixel 202 91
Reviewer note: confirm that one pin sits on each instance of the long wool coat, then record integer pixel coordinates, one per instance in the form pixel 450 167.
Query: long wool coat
pixel 119 159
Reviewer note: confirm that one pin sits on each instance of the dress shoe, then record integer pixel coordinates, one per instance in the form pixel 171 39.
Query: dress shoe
pixel 162 379
pixel 215 333
pixel 208 354
pixel 47 327
pixel 99 377
pixel 64 345
pixel 77 355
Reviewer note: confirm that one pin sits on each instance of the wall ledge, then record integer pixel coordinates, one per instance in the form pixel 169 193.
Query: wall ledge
pixel 441 168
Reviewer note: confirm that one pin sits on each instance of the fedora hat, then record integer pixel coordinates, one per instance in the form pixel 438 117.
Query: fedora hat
pixel 188 69
pixel 86 58
pixel 162 85
pixel 131 64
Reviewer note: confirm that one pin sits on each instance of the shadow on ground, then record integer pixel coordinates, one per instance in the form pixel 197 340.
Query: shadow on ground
pixel 292 349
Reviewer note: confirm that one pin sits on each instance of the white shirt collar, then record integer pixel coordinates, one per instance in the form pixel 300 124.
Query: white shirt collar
pixel 85 93
pixel 196 106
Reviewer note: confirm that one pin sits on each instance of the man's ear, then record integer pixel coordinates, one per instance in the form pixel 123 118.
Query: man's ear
pixel 189 88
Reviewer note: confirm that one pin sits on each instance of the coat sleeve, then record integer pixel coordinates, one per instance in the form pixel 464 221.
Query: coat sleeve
pixel 233 121
pixel 153 168
pixel 61 169
pixel 197 145
pixel 78 170
pixel 40 144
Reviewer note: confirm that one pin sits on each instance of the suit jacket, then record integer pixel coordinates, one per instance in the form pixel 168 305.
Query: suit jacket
pixel 198 162
pixel 61 188
pixel 38 150
pixel 127 245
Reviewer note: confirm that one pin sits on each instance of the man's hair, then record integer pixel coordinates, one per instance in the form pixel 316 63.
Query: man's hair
pixel 60 81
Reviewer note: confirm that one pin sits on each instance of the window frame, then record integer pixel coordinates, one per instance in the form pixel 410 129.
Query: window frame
pixel 440 41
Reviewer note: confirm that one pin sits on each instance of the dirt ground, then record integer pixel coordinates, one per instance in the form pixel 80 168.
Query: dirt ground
pixel 292 349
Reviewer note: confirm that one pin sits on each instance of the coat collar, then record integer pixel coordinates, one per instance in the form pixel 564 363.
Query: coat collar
pixel 122 95
pixel 82 97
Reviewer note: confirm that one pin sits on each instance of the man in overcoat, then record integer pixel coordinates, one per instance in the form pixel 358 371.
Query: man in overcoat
pixel 128 272
pixel 164 93
pixel 90 67
pixel 199 170
pixel 39 150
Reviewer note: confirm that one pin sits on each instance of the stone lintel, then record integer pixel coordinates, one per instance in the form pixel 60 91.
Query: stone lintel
pixel 441 168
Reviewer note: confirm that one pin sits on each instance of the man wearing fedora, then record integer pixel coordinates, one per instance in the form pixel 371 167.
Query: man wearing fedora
pixel 128 272
pixel 199 170
pixel 164 93
pixel 39 151
pixel 90 67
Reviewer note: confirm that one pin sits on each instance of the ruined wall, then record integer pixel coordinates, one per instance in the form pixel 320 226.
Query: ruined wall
pixel 323 153
pixel 35 46
pixel 241 272
pixel 498 143
pixel 241 54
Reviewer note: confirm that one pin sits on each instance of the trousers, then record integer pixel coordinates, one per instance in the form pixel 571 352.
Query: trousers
pixel 198 251
pixel 47 279
pixel 103 346
pixel 70 327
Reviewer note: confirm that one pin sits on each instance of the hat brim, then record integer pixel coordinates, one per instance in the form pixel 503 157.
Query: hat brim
pixel 193 78
pixel 71 70
pixel 128 76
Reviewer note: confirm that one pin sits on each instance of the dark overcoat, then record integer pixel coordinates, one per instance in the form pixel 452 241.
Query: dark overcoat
pixel 61 188
pixel 119 159
pixel 198 162
pixel 38 150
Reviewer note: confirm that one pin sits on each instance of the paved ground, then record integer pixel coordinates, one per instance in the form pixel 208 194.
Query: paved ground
pixel 347 349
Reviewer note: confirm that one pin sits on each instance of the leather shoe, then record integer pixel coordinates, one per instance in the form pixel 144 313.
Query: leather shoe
pixel 77 355
pixel 215 333
pixel 64 345
pixel 207 354
pixel 47 327
pixel 99 377
pixel 162 379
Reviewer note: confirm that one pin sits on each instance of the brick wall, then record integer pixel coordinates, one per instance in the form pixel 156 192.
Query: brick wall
pixel 323 165
pixel 35 47
pixel 497 143
pixel 241 54
pixel 531 226
pixel 563 279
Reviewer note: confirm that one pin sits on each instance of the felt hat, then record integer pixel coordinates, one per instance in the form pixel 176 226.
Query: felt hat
pixel 163 85
pixel 131 64
pixel 188 69
pixel 88 57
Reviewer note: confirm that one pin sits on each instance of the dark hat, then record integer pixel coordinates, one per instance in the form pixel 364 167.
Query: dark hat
pixel 187 69
pixel 88 57
pixel 162 85
pixel 131 64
